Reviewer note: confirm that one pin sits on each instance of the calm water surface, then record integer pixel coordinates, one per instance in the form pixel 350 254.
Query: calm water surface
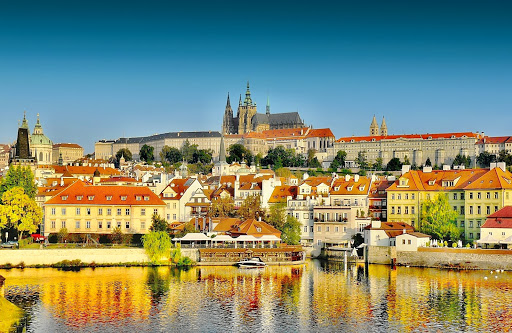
pixel 316 297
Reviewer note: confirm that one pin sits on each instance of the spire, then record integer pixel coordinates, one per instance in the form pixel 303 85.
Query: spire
pixel 268 105
pixel 222 152
pixel 240 100
pixel 383 128
pixel 248 100
pixel 38 129
pixel 374 127
pixel 24 124
pixel 228 103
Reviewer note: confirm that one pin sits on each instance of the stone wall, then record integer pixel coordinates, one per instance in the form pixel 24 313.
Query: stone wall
pixel 457 258
pixel 381 254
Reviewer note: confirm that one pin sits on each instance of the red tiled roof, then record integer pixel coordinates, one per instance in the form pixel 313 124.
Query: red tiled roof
pixel 408 136
pixel 67 145
pixel 500 219
pixel 505 212
pixel 80 194
pixel 250 227
pixel 495 140
pixel 281 192
pixel 84 170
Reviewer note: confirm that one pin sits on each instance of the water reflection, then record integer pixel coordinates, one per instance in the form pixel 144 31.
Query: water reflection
pixel 315 297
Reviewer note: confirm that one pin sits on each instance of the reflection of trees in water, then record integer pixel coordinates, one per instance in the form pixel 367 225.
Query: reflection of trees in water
pixel 24 297
pixel 158 280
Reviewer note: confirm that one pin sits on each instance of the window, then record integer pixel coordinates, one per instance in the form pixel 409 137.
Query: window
pixel 155 211
pixel 174 205
pixel 337 229
pixel 127 224
pixel 53 211
pixel 495 209
pixel 409 242
pixel 306 228
pixel 174 216
pixel 138 198
pixel 123 198
pixel 100 211
pixel 406 210
pixel 109 211
pixel 495 195
pixel 88 211
pixel 327 229
pixel 168 217
pixel 392 209
pixel 479 195
pixel 127 211
pixel 393 196
pixel 412 210
pixel 470 210
pixel 63 224
pixel 79 197
pixel 296 215
pixel 344 229
pixel 455 208
pixel 146 198
pixel 319 228
pixel 143 225
pixel 471 224
pixel 406 196
pixel 399 196
pixel 461 210
pixel 403 241
pixel 119 211
pixel 478 210
pixel 64 197
pixel 471 235
pixel 488 195
pixel 478 223
pixel 490 233
pixel 311 229
pixel 143 211
pixel 399 210
pixel 306 216
pixel 88 224
pixel 78 211
pixel 454 196
pixel 412 196
pixel 488 210
pixel 119 224
pixel 53 224
pixel 462 224
pixel 77 224
pixel 100 225
pixel 90 198
pixel 470 195
pixel 109 225
pixel 109 197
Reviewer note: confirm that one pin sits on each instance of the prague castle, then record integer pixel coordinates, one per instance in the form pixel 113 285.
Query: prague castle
pixel 249 120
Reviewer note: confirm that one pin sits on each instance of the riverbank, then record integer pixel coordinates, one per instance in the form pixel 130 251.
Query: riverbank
pixel 484 259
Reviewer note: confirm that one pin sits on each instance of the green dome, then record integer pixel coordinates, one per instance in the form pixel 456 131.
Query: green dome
pixel 40 139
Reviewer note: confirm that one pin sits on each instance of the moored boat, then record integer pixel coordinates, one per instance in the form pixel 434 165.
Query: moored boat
pixel 254 262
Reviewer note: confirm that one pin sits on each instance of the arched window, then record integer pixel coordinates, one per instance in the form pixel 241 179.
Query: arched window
pixel 40 156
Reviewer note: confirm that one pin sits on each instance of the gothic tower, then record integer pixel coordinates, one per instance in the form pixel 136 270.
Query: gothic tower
pixel 374 127
pixel 383 128
pixel 245 112
pixel 227 124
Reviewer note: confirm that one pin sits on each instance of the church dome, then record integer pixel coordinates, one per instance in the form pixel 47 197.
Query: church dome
pixel 38 137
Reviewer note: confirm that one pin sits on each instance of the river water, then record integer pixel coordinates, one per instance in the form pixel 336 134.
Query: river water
pixel 315 297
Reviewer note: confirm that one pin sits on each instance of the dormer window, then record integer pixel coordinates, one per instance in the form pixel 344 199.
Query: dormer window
pixel 337 188
pixel 123 198
pixel 146 198
pixel 79 197
pixel 258 229
pixel 431 182
pixel 109 197
pixel 90 198
pixel 138 198
pixel 361 188
pixel 349 188
pixel 64 197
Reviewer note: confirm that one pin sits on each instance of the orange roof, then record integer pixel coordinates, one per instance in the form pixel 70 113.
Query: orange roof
pixel 51 189
pixel 80 194
pixel 500 219
pixel 408 136
pixel 254 228
pixel 315 181
pixel 393 229
pixel 179 186
pixel 492 179
pixel 379 187
pixel 119 179
pixel 320 133
pixel 351 187
pixel 67 145
pixel 281 192
pixel 84 170
pixel 495 140
pixel 225 224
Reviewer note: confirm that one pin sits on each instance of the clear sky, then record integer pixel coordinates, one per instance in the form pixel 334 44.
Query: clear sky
pixel 107 69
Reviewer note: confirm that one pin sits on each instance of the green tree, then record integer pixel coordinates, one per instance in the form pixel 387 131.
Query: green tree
pixel 221 207
pixel 310 155
pixel 203 156
pixel 251 208
pixel 116 237
pixel 361 160
pixel 462 160
pixel 188 228
pixel 315 163
pixel 278 163
pixel 277 215
pixel 438 219
pixel 171 154
pixel 339 160
pixel 283 172
pixel 428 162
pixel 257 159
pixel 187 151
pixel 63 235
pixel 19 177
pixel 158 224
pixel 146 153
pixel 291 231
pixel 157 245
pixel 485 159
pixel 19 211
pixel 406 160
pixel 378 164
pixel 394 164
pixel 238 153
pixel 125 152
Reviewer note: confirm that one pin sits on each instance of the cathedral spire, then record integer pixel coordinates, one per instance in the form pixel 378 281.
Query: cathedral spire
pixel 383 128
pixel 248 100
pixel 240 100
pixel 222 152
pixel 374 127
pixel 228 103
pixel 268 105
pixel 38 129
pixel 24 124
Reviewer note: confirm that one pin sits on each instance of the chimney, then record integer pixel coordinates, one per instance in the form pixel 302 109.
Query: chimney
pixel 356 178
pixel 347 178
pixel 405 168
pixel 405 231
pixel 61 181
pixel 493 165
pixel 446 167
pixel 502 166
pixel 376 224
pixel 427 169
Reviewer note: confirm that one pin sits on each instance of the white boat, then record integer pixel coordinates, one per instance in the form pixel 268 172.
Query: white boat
pixel 254 262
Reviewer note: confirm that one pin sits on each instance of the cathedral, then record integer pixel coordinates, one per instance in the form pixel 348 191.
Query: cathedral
pixel 248 120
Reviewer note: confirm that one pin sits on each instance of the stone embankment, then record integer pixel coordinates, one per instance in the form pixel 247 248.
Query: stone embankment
pixel 442 258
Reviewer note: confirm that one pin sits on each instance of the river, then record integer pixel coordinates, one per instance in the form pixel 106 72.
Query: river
pixel 315 297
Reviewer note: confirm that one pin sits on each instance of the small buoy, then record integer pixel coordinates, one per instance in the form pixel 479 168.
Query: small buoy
pixel 407 266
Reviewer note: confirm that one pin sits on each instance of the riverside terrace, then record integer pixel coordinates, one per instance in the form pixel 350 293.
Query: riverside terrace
pixel 200 240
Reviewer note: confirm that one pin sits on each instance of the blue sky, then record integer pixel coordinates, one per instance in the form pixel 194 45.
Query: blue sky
pixel 109 69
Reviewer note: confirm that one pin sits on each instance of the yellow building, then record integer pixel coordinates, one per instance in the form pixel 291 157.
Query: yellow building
pixel 69 152
pixel 90 209
pixel 473 193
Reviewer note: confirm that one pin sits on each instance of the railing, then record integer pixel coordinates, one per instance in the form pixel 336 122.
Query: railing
pixel 226 246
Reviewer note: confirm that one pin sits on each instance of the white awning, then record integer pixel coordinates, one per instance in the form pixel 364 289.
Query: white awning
pixel 223 238
pixel 488 240
pixel 195 236
pixel 246 238
pixel 268 238
pixel 507 240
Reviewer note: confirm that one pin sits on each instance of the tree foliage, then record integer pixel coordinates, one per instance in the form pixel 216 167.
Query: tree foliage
pixel 19 211
pixel 462 160
pixel 339 160
pixel 19 177
pixel 251 208
pixel 158 224
pixel 394 164
pixel 187 151
pixel 279 157
pixel 361 160
pixel 157 245
pixel 485 159
pixel 147 153
pixel 378 164
pixel 189 227
pixel 125 152
pixel 287 224
pixel 438 219
pixel 222 207
pixel 170 154
pixel 428 162
pixel 238 153
pixel 505 157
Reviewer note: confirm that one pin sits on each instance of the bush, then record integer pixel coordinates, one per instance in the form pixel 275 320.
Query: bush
pixel 53 238
pixel 184 261
pixel 25 241
pixel 454 245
